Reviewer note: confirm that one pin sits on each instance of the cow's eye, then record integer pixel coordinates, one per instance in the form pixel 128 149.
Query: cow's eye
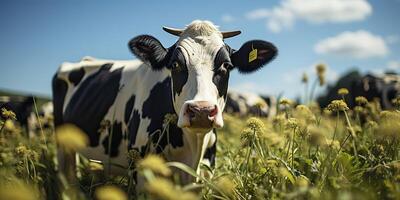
pixel 176 66
pixel 227 65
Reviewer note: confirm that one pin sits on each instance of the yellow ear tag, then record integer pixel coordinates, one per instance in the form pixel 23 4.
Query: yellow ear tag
pixel 252 54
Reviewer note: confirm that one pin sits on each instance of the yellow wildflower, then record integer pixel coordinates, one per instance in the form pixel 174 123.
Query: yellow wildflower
pixel 110 192
pixel 361 101
pixel 8 114
pixel 396 101
pixel 71 138
pixel 304 78
pixel 338 105
pixel 343 91
pixel 161 188
pixel 134 155
pixel 321 68
pixel 170 118
pixel 21 150
pixel 326 111
pixel 285 102
pixel 226 186
pixel 292 123
pixel 255 124
pixel 358 109
pixel 9 126
pixel 13 188
pixel 154 163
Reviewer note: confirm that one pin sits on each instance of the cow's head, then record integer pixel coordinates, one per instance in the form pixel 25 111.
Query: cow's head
pixel 200 63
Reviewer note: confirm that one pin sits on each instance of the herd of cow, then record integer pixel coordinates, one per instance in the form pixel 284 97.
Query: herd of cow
pixel 188 79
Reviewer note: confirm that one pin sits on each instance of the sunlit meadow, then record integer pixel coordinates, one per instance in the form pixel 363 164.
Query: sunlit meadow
pixel 303 152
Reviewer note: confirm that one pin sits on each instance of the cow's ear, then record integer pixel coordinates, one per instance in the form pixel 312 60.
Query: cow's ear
pixel 253 55
pixel 148 49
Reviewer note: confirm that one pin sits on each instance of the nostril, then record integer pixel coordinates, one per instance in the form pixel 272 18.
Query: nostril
pixel 213 111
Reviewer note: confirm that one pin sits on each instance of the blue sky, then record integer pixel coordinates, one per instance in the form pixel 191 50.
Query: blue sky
pixel 37 36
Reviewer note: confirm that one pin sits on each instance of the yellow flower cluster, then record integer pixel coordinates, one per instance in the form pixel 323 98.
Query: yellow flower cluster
pixel 71 138
pixel 361 101
pixel 154 163
pixel 110 192
pixel 321 69
pixel 338 105
pixel 285 102
pixel 163 189
pixel 343 91
pixel 304 78
pixel 8 114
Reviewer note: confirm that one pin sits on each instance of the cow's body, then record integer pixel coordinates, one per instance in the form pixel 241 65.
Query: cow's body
pixel 133 98
pixel 188 79
pixel 247 103
pixel 384 87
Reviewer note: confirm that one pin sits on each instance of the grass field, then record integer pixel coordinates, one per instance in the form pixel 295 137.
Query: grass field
pixel 301 153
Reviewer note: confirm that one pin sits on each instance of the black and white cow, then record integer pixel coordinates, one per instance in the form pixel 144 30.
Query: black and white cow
pixel 22 106
pixel 189 79
pixel 248 103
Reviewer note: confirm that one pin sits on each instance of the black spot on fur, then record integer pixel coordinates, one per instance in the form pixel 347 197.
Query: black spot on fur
pixel 133 127
pixel 91 102
pixel 76 76
pixel 179 74
pixel 116 133
pixel 60 88
pixel 156 107
pixel 222 66
pixel 128 108
pixel 211 151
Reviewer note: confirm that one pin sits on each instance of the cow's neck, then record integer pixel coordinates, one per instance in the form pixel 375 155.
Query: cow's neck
pixel 195 144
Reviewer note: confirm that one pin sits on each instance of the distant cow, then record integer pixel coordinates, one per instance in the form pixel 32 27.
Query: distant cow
pixel 247 103
pixel 189 79
pixel 384 87
pixel 22 106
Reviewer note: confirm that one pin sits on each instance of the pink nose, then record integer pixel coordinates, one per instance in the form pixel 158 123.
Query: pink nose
pixel 201 114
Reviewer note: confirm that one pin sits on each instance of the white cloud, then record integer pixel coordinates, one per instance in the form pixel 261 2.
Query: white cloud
pixel 313 11
pixel 359 44
pixel 258 14
pixel 227 18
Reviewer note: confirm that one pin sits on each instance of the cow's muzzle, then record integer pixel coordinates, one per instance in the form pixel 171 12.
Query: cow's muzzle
pixel 198 114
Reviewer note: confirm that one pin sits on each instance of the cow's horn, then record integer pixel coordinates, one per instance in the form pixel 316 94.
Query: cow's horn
pixel 173 31
pixel 228 34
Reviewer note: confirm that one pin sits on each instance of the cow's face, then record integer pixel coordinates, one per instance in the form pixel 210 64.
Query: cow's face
pixel 200 63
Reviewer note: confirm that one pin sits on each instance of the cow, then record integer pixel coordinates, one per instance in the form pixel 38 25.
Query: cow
pixel 384 87
pixel 22 106
pixel 188 79
pixel 248 103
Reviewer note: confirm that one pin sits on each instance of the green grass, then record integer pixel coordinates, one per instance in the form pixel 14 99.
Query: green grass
pixel 302 153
